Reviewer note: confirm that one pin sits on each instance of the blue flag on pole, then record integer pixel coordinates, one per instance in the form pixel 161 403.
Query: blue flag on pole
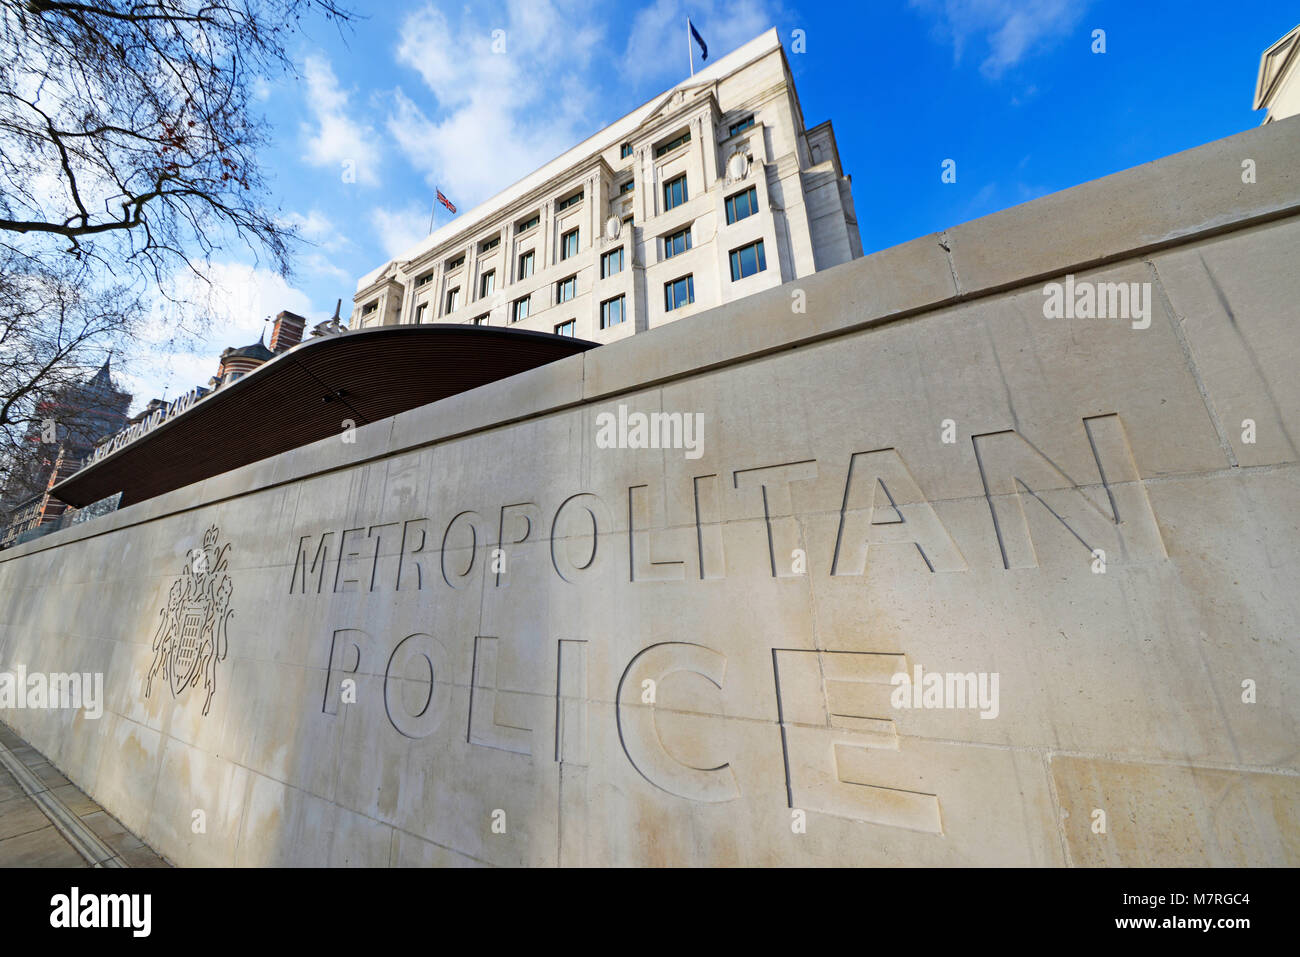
pixel 704 49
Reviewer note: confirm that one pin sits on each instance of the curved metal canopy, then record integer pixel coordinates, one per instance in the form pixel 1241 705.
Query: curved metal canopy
pixel 302 396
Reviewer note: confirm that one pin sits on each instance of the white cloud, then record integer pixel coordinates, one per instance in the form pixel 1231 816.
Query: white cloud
pixel 327 244
pixel 1010 29
pixel 317 228
pixel 166 362
pixel 497 106
pixel 400 229
pixel 656 45
pixel 335 138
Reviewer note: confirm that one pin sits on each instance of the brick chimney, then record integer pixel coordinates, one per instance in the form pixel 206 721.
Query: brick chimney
pixel 287 331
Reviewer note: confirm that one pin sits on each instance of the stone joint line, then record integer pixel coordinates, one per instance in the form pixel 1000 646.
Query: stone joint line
pixel 83 840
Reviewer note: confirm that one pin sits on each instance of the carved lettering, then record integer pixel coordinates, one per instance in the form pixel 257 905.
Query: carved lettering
pixel 318 563
pixel 773 484
pixel 639 733
pixel 883 505
pixel 1110 511
pixel 840 742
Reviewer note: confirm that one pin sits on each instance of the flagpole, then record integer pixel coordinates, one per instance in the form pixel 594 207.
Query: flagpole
pixel 433 208
pixel 690 50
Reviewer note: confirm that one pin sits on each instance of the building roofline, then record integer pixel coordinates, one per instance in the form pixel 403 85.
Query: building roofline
pixel 610 135
pixel 367 375
pixel 1261 93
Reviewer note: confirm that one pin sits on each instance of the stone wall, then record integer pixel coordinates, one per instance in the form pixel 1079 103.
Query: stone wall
pixel 667 656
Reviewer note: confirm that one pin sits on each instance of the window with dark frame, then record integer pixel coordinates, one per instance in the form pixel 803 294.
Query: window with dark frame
pixel 675 192
pixel 677 243
pixel 613 311
pixel 673 144
pixel 679 292
pixel 611 263
pixel 569 244
pixel 741 125
pixel 742 205
pixel 747 260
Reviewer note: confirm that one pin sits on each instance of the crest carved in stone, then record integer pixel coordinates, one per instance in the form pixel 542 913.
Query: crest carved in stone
pixel 191 636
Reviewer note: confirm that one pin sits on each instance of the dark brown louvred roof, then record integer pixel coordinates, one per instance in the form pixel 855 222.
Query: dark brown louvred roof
pixel 303 395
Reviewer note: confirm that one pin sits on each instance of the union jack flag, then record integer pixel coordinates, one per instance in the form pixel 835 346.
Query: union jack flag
pixel 445 201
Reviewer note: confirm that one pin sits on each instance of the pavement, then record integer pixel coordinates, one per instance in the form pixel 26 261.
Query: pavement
pixel 47 821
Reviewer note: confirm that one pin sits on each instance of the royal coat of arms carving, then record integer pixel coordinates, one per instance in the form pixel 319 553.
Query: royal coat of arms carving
pixel 191 637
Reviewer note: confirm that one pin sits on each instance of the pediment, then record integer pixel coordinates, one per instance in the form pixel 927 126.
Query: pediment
pixel 674 100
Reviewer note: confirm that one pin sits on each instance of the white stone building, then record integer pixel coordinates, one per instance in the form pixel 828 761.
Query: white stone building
pixel 709 193
pixel 1278 87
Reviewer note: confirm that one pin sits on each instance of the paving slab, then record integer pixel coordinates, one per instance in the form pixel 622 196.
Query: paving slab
pixel 47 821
pixel 44 847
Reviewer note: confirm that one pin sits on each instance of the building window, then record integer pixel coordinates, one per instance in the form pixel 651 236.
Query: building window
pixel 627 221
pixel 673 144
pixel 527 224
pixel 742 205
pixel 747 260
pixel 423 279
pixel 627 187
pixel 453 299
pixel 487 283
pixel 573 200
pixel 611 263
pixel 569 244
pixel 369 307
pixel 678 293
pixel 674 192
pixel 612 312
pixel 519 309
pixel 490 244
pixel 741 125
pixel 625 151
pixel 526 264
pixel 420 310
pixel 481 320
pixel 455 263
pixel 566 289
pixel 677 243
pixel 569 328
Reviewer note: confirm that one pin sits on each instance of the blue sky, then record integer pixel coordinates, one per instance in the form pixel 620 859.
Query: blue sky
pixel 414 96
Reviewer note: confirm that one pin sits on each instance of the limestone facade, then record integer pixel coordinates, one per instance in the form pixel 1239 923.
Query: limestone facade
pixel 646 214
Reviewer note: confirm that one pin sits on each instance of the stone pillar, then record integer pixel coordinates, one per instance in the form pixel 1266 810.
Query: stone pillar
pixel 595 197
pixel 697 163
pixel 709 141
pixel 643 199
pixel 546 242
pixel 508 255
